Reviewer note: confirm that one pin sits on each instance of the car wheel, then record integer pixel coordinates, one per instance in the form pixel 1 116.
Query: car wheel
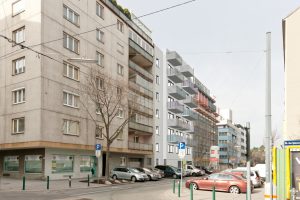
pixel 133 179
pixel 194 186
pixel 114 177
pixel 174 176
pixel 234 190
pixel 149 178
pixel 193 174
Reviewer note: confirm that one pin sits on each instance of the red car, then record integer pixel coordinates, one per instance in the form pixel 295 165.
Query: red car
pixel 222 182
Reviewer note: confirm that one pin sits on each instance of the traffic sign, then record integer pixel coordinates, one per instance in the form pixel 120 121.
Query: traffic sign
pixel 98 153
pixel 181 145
pixel 181 153
pixel 98 147
pixel 291 142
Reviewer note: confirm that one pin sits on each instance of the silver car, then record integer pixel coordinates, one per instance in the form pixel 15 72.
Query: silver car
pixel 128 173
pixel 153 176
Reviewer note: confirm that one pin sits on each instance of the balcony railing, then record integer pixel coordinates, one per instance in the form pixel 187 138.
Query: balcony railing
pixel 140 146
pixel 186 70
pixel 140 127
pixel 176 92
pixel 175 107
pixel 189 87
pixel 174 58
pixel 140 108
pixel 190 114
pixel 175 138
pixel 191 102
pixel 174 75
pixel 140 89
pixel 178 124
pixel 140 70
pixel 139 55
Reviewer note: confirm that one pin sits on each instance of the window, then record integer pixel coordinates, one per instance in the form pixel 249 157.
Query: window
pixel 62 164
pixel 70 99
pixel 119 91
pixel 222 133
pixel 71 43
pixel 100 35
pixel 100 83
pixel 18 96
pixel 71 15
pixel 170 83
pixel 18 125
pixel 188 151
pixel 157 113
pixel 157 79
pixel 136 139
pixel 157 63
pixel 120 70
pixel 71 71
pixel 100 59
pixel 18 7
pixel 157 96
pixel 120 135
pixel 11 163
pixel 157 147
pixel 100 10
pixel 70 127
pixel 99 132
pixel 120 48
pixel 120 113
pixel 85 163
pixel 157 130
pixel 33 163
pixel 170 148
pixel 122 161
pixel 176 149
pixel 18 66
pixel 149 161
pixel 19 35
pixel 120 26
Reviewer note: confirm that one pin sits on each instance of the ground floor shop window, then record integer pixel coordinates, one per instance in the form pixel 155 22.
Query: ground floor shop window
pixel 33 163
pixel 11 163
pixel 86 163
pixel 62 163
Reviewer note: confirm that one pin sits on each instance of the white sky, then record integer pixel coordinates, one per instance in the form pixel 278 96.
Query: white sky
pixel 203 30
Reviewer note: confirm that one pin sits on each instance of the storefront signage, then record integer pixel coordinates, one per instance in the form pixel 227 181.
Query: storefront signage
pixel 292 143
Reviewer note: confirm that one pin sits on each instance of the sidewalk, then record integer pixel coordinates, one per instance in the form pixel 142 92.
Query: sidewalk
pixel 10 184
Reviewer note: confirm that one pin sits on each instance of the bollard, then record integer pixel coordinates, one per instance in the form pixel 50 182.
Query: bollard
pixel 174 185
pixel 88 180
pixel 178 188
pixel 191 192
pixel 70 183
pixel 47 182
pixel 23 183
pixel 214 193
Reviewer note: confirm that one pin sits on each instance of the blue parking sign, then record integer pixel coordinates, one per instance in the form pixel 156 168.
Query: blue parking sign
pixel 181 145
pixel 98 146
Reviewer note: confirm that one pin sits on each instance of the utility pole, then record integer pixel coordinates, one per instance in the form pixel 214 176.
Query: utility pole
pixel 247 128
pixel 268 138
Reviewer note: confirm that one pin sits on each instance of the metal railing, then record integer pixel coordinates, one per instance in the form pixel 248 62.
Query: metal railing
pixel 140 146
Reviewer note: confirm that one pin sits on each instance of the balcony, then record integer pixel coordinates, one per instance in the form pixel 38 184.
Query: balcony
pixel 140 108
pixel 140 70
pixel 191 130
pixel 190 114
pixel 174 75
pixel 174 58
pixel 140 128
pixel 175 107
pixel 140 90
pixel 175 139
pixel 178 124
pixel 176 92
pixel 186 70
pixel 189 142
pixel 139 55
pixel 140 146
pixel 189 87
pixel 191 102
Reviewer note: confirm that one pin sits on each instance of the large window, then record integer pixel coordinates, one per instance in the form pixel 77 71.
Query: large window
pixel 71 15
pixel 170 148
pixel 100 59
pixel 85 163
pixel 11 164
pixel 18 66
pixel 71 127
pixel 18 96
pixel 18 7
pixel 18 125
pixel 71 43
pixel 19 35
pixel 70 99
pixel 62 163
pixel 71 71
pixel 99 132
pixel 33 164
pixel 100 10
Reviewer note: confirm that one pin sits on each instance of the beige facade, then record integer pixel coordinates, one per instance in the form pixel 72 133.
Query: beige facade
pixel 291 44
pixel 45 81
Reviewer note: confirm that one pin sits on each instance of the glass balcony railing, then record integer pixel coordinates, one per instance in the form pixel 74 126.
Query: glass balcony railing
pixel 140 146
pixel 140 127
pixel 189 87
pixel 190 114
pixel 139 55
pixel 176 92
pixel 191 102
pixel 140 70
pixel 175 138
pixel 174 75
pixel 186 70
pixel 178 124
pixel 174 58
pixel 175 107
pixel 140 89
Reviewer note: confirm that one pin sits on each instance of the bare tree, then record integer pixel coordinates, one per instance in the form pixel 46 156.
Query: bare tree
pixel 110 99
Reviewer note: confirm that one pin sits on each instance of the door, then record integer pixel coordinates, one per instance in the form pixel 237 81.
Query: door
pixel 223 182
pixel 209 182
pixel 103 164
pixel 295 163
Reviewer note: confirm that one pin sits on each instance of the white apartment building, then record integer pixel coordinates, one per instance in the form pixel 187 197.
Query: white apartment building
pixel 44 129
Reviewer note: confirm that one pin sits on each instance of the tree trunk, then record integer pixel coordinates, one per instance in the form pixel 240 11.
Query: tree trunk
pixel 107 162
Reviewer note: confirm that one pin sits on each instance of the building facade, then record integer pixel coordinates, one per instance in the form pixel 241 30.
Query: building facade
pixel 44 128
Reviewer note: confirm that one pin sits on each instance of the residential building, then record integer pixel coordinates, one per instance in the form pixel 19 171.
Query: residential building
pixel 44 128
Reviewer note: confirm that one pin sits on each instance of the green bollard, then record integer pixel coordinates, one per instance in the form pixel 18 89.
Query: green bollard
pixel 191 190
pixel 214 193
pixel 174 185
pixel 23 183
pixel 47 182
pixel 178 188
pixel 88 180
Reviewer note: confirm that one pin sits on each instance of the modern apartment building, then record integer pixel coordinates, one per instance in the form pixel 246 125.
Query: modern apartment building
pixel 231 140
pixel 44 128
pixel 185 115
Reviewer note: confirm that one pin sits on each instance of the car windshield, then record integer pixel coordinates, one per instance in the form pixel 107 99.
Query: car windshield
pixel 134 170
pixel 147 170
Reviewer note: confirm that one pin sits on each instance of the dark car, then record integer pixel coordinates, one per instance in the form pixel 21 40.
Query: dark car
pixel 169 171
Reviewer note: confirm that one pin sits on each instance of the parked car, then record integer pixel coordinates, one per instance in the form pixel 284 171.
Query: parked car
pixel 206 170
pixel 128 173
pixel 160 172
pixel 153 176
pixel 221 181
pixel 261 168
pixel 170 171
pixel 254 175
pixel 194 171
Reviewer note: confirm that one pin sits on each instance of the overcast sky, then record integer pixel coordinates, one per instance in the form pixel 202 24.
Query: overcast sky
pixel 224 42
